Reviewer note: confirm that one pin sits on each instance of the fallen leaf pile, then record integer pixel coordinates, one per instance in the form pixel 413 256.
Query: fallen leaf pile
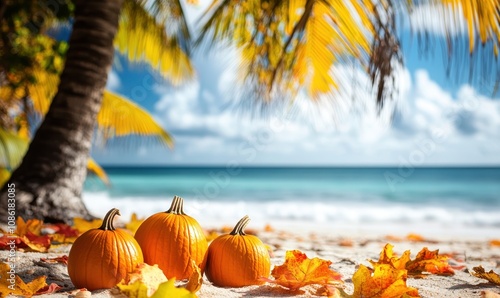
pixel 35 235
pixel 387 276
pixel 426 261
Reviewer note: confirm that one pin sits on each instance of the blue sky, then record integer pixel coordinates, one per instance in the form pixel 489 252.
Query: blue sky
pixel 440 120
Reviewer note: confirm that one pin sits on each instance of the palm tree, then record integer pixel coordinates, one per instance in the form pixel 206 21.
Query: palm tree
pixel 49 180
pixel 285 46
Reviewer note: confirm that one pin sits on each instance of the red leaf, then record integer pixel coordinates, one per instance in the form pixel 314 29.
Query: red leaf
pixel 52 288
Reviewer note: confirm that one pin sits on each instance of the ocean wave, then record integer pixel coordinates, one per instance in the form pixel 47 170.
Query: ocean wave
pixel 309 211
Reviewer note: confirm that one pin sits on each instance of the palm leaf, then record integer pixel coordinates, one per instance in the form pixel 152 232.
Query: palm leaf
pixel 289 44
pixel 12 149
pixel 120 117
pixel 95 168
pixel 144 37
pixel 4 176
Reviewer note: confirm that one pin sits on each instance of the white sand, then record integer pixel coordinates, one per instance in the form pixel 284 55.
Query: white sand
pixel 325 242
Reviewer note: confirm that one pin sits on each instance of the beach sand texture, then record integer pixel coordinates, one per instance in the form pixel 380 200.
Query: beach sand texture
pixel 346 253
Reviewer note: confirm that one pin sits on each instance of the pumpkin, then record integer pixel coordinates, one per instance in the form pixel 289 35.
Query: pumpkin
pixel 172 239
pixel 102 257
pixel 237 259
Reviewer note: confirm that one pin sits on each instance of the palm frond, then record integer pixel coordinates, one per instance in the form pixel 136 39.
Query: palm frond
pixel 157 35
pixel 12 149
pixel 476 45
pixel 483 20
pixel 287 44
pixel 120 117
pixel 96 169
pixel 4 176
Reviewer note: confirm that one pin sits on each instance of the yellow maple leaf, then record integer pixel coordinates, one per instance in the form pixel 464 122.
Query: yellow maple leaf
pixel 387 256
pixel 134 223
pixel 142 282
pixel 168 289
pixel 490 276
pixel 17 286
pixel 383 282
pixel 299 271
pixel 83 225
pixel 425 261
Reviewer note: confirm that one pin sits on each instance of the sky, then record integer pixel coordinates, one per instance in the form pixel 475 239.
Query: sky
pixel 434 120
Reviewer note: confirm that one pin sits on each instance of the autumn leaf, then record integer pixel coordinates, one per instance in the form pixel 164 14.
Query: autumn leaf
pixel 299 271
pixel 33 226
pixel 387 257
pixel 425 261
pixel 21 288
pixel 168 289
pixel 495 242
pixel 383 282
pixel 62 259
pixel 415 237
pixel 63 233
pixel 490 276
pixel 196 279
pixel 82 225
pixel 29 241
pixel 429 261
pixel 134 223
pixel 52 288
pixel 142 282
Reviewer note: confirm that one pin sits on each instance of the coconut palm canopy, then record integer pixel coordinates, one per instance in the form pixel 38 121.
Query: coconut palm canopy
pixel 284 47
pixel 32 61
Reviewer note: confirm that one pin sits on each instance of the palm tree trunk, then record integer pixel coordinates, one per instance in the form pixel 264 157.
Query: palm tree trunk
pixel 49 181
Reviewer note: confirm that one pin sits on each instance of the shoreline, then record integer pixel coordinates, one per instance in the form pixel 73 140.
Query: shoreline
pixel 346 251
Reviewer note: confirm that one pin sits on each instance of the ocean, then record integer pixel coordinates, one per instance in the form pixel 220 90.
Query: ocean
pixel 420 198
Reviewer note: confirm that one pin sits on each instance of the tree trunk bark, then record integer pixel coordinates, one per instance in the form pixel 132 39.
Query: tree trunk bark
pixel 49 181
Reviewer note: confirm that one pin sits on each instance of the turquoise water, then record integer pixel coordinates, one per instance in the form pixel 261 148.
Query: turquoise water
pixel 351 194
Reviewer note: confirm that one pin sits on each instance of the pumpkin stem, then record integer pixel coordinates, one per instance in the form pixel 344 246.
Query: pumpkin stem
pixel 177 206
pixel 107 222
pixel 240 226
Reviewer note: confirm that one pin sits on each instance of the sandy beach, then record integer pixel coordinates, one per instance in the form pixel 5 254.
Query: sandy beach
pixel 345 251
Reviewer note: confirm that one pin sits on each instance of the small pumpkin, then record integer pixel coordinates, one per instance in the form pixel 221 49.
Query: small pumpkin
pixel 172 239
pixel 237 259
pixel 102 257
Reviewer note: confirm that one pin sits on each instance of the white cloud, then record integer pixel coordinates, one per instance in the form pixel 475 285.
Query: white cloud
pixel 208 129
pixel 113 82
pixel 438 19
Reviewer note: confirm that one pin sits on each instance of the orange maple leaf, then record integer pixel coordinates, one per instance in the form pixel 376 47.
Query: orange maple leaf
pixel 429 261
pixel 33 226
pixel 21 288
pixel 494 242
pixel 382 282
pixel 490 276
pixel 387 256
pixel 425 261
pixel 299 271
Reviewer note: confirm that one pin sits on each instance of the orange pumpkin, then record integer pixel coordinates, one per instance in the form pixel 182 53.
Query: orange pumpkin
pixel 100 258
pixel 172 239
pixel 237 259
